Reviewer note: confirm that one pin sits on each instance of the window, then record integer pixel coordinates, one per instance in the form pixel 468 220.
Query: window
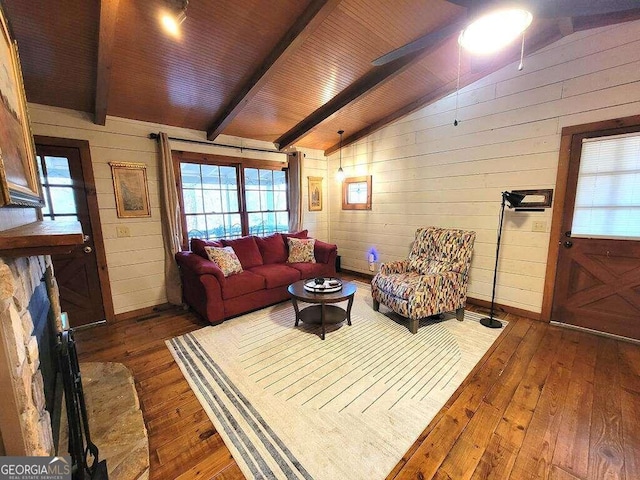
pixel 356 193
pixel 225 197
pixel 57 188
pixel 607 201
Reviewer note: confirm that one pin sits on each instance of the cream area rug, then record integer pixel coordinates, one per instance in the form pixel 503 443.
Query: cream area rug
pixel 292 406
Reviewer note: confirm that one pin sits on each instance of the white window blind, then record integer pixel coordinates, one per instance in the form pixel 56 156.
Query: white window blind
pixel 608 194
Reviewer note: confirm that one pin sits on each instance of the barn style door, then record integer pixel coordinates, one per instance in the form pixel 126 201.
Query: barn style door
pixel 597 283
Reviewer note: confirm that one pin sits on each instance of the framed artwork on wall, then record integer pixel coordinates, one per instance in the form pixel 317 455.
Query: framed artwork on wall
pixel 19 183
pixel 315 194
pixel 131 189
pixel 356 193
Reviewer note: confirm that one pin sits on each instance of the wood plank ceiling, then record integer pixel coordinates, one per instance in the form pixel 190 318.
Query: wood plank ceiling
pixel 293 72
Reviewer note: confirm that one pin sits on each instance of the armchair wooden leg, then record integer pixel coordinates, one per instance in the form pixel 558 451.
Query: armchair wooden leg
pixel 460 313
pixel 413 325
pixel 376 305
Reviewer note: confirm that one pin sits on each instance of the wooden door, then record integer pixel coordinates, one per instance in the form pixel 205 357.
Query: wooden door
pixel 597 283
pixel 63 185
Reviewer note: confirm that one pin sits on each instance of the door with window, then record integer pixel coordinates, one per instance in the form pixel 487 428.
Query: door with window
pixel 64 190
pixel 597 283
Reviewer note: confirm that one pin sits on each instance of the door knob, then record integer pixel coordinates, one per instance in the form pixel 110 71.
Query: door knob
pixel 568 244
pixel 88 249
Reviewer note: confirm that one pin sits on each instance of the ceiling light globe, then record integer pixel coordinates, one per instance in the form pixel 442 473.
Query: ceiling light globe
pixel 340 175
pixel 495 30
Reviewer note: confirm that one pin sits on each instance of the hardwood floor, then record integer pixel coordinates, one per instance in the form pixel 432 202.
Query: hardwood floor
pixel 544 402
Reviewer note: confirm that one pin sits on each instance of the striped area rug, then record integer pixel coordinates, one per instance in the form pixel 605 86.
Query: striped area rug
pixel 291 406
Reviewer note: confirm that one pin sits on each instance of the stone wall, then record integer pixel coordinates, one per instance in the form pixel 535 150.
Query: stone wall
pixel 19 278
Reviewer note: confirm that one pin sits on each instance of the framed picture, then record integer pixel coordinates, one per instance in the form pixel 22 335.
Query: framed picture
pixel 19 182
pixel 315 194
pixel 131 189
pixel 356 193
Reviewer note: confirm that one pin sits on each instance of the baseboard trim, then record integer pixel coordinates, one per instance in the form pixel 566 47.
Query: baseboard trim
pixel 368 276
pixel 473 301
pixel 140 312
pixel 498 307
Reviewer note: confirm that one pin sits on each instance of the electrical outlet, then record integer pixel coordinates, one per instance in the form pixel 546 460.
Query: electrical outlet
pixel 123 231
pixel 539 226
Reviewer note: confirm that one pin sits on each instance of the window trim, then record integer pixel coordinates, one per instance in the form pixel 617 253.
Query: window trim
pixel 240 163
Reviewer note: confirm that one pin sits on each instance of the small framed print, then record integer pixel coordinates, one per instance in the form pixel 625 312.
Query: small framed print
pixel 131 189
pixel 315 194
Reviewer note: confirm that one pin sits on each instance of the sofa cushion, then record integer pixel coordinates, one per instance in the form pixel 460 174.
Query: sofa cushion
pixel 241 284
pixel 247 251
pixel 301 250
pixel 300 234
pixel 277 275
pixel 225 258
pixel 272 249
pixel 197 246
pixel 311 270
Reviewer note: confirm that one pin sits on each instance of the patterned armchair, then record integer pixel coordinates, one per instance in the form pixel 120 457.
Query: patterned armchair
pixel 432 280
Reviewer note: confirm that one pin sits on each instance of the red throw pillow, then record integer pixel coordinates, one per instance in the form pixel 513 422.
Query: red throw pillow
pixel 272 248
pixel 197 246
pixel 246 249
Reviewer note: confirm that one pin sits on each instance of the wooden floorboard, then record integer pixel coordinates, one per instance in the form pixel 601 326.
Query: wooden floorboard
pixel 544 402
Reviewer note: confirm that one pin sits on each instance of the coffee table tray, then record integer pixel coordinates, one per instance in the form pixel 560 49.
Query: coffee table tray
pixel 330 285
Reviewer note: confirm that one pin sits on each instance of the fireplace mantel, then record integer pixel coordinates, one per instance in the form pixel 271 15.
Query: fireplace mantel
pixel 40 238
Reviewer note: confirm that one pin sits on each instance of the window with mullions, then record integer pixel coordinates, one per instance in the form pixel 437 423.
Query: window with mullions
pixel 57 189
pixel 210 195
pixel 218 202
pixel 266 194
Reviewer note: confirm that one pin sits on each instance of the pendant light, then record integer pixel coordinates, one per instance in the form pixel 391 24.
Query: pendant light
pixel 340 174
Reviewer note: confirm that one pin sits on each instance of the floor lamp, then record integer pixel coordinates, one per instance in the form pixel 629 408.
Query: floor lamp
pixel 514 200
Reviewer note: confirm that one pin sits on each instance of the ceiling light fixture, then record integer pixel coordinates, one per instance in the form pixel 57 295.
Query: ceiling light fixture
pixel 172 20
pixel 340 174
pixel 494 30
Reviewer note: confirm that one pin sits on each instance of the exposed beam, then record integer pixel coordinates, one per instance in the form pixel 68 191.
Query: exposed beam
pixel 370 80
pixel 540 41
pixel 303 27
pixel 106 40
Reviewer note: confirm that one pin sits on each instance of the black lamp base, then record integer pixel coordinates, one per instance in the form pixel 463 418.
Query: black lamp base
pixel 491 322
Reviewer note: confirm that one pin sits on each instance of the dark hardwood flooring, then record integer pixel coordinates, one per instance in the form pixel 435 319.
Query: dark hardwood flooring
pixel 544 402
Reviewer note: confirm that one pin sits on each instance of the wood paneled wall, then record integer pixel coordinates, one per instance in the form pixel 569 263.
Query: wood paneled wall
pixel 428 172
pixel 314 164
pixel 136 263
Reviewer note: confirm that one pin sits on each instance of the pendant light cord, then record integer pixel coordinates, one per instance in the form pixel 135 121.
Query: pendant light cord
pixel 521 66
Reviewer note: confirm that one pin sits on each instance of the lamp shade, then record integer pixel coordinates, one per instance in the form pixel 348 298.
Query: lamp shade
pixel 514 199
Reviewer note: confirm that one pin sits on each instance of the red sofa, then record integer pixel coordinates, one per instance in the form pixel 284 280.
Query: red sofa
pixel 263 281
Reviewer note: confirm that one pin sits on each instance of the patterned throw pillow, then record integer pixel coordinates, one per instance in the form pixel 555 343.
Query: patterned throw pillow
pixel 225 258
pixel 301 250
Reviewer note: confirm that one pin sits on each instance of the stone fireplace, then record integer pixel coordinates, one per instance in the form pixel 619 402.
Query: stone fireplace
pixel 29 320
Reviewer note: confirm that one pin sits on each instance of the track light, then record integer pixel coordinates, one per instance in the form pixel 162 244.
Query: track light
pixel 171 20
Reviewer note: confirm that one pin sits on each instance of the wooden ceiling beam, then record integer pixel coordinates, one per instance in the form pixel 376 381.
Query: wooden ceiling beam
pixel 540 41
pixel 106 40
pixel 370 80
pixel 305 25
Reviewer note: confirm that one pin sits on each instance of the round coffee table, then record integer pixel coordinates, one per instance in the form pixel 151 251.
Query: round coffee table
pixel 322 313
